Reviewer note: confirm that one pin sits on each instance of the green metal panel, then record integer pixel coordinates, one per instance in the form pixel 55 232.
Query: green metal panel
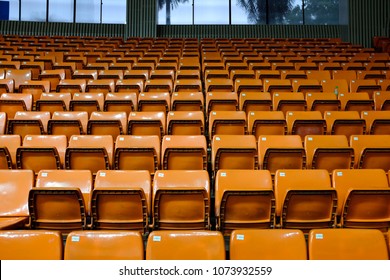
pixel 141 18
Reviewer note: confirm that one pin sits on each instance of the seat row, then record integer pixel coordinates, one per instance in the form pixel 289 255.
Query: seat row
pixel 324 244
pixel 182 152
pixel 69 200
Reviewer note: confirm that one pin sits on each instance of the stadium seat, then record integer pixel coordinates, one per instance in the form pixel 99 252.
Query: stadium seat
pixel 381 100
pixel 40 152
pixel 266 123
pixel 347 244
pixel 181 200
pixel 306 85
pixel 244 199
pixel 328 152
pixel 121 203
pixel 184 152
pixel 305 199
pixel 104 245
pixel 267 244
pixel 227 123
pixel 344 123
pixel 72 85
pixel 255 101
pixel 19 76
pixel 189 245
pixel 107 123
pixel 14 188
pixel 53 101
pixel 30 245
pixel 248 85
pixel 53 76
pixel 8 146
pixel 28 122
pixel 185 123
pixel 60 200
pixel 355 101
pixel 275 85
pixel 102 85
pixel 68 123
pixel 288 101
pixel 120 102
pixel 335 86
pixel 188 85
pixel 363 198
pixel 221 101
pixel 281 152
pixel 377 122
pixel 187 101
pixel 7 85
pixel 304 123
pixel 368 85
pixel 10 103
pixel 147 123
pixel 87 102
pixel 137 153
pixel 130 85
pixel 154 102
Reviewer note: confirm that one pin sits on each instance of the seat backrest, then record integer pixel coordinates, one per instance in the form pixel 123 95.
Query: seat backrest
pixel 347 244
pixel 288 101
pixel 344 123
pixel 30 245
pixel 266 123
pixel 377 122
pixel 322 101
pixel 244 199
pixel 147 123
pixel 107 123
pixel 181 199
pixel 137 152
pixel 304 123
pixel 11 103
pixel 154 101
pixel 189 245
pixel 19 76
pixel 267 244
pixel 53 101
pixel 187 101
pixel 305 199
pixel 227 123
pixel 185 123
pixel 121 102
pixel 68 123
pixel 104 245
pixel 8 146
pixel 28 122
pixel 14 187
pixel 120 203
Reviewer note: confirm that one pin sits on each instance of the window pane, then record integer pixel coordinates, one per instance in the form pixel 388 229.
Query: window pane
pixel 34 10
pixel 285 12
pixel 321 11
pixel 179 13
pixel 294 14
pixel 13 10
pixel 88 11
pixel 211 12
pixel 114 11
pixel 248 12
pixel 61 10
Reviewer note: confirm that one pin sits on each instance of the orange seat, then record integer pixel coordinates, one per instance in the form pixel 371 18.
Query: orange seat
pixel 377 122
pixel 267 244
pixel 347 244
pixel 190 245
pixel 288 101
pixel 356 101
pixel 87 102
pixel 53 101
pixel 28 122
pixel 181 199
pixel 120 102
pixel 147 123
pixel 322 101
pixel 68 123
pixel 19 76
pixel 381 100
pixel 266 123
pixel 254 101
pixel 10 103
pixel 30 245
pixel 107 123
pixel 227 122
pixel 306 85
pixel 344 123
pixel 185 123
pixel 304 123
pixel 72 86
pixel 154 102
pixel 368 85
pixel 221 101
pixel 187 101
pixel 104 245
pixel 15 186
pixel 119 203
pixel 244 199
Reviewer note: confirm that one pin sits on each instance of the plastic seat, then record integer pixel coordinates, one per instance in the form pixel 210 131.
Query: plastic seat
pixel 216 74
pixel 181 199
pixel 118 203
pixel 221 101
pixel 154 101
pixel 10 103
pixel 130 85
pixel 288 101
pixel 227 122
pixel 40 152
pixel 306 85
pixel 137 153
pixel 368 85
pixel 190 245
pixel 276 85
pixel 188 85
pixel 306 66
pixel 347 75
pixel 72 86
pixel 87 102
pixel 185 123
pixel 147 123
pixel 281 152
pixel 377 122
pixel 237 74
pixel 60 200
pixel 329 66
pixel 120 102
pixel 318 75
pixel 304 123
pixel 8 146
pixel 266 123
pixel 322 102
pixel 187 101
pixel 219 84
pixel 35 88
pixel 371 74
pixel 344 123
pixel 254 101
pixel 371 151
pixel 347 244
pixel 19 76
pixel 356 101
pixel 7 85
pixel 184 152
pixel 14 187
pixel 352 66
pixel 335 86
pixel 91 152
pixel 363 198
pixel 294 75
pixel 53 76
pixel 233 152
pixel 248 85
pixel 68 123
pixel 165 85
pixel 244 199
pixel 381 100
pixel 30 245
pixel 52 102
pixel 27 122
pixel 328 152
pixel 68 67
pixel 267 244
pixel 107 123
pixel 104 245
pixel 115 74
pixel 305 199
pixel 102 85
pixel 142 74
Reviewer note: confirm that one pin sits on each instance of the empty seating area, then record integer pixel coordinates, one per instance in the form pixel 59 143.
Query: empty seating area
pixel 219 148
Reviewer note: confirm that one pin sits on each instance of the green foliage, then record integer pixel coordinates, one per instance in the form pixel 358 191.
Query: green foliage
pixel 321 11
